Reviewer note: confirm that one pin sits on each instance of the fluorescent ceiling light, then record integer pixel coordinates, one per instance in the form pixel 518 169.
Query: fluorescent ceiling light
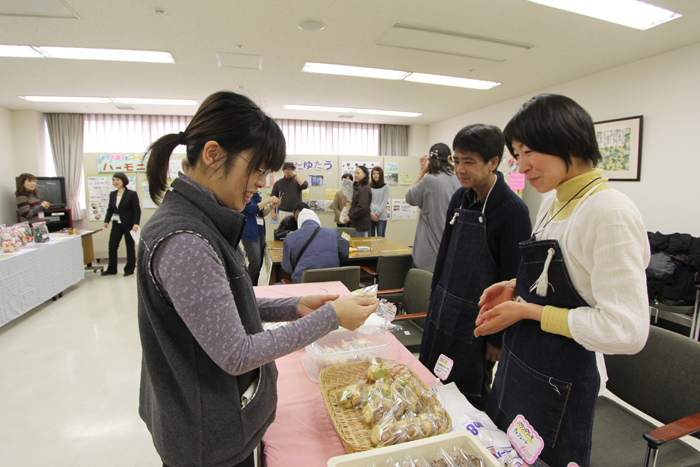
pixel 329 69
pixel 397 75
pixel 450 81
pixel 108 100
pixel 351 110
pixel 630 13
pixel 19 51
pixel 106 54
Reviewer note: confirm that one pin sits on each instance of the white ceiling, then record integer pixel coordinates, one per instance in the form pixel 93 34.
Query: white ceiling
pixel 565 46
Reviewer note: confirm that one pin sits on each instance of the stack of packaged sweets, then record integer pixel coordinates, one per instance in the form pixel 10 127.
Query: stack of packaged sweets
pixel 41 232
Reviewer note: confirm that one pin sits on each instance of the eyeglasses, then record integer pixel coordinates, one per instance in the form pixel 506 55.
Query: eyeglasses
pixel 263 173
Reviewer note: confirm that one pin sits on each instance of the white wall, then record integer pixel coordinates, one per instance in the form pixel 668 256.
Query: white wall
pixel 29 141
pixel 418 140
pixel 665 89
pixel 8 172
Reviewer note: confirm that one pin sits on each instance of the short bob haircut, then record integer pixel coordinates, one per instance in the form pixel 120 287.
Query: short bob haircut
pixel 554 125
pixel 485 140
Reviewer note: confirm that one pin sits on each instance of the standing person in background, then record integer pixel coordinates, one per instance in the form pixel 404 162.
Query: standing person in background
pixel 29 205
pixel 359 215
pixel 253 238
pixel 339 203
pixel 208 378
pixel 431 191
pixel 125 212
pixel 380 199
pixel 485 222
pixel 288 191
pixel 580 291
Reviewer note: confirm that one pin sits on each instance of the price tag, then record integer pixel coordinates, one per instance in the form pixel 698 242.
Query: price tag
pixel 389 311
pixel 525 439
pixel 443 367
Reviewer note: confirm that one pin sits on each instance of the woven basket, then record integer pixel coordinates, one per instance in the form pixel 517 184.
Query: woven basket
pixel 351 427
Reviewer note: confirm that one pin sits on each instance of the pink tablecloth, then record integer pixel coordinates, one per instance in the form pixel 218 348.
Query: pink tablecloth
pixel 302 434
pixel 298 290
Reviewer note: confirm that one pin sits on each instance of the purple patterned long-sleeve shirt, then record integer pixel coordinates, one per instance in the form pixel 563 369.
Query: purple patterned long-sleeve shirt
pixel 191 277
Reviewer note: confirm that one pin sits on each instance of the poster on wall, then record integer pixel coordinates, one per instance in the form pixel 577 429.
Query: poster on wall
pixel 316 180
pixel 317 204
pixel 330 193
pixel 304 195
pixel 405 179
pixel 99 188
pixel 391 179
pixel 146 201
pixel 391 168
pixel 349 167
pixel 121 163
pixel 401 210
pixel 313 165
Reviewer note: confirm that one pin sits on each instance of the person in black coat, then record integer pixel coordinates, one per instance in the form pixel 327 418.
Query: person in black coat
pixel 125 213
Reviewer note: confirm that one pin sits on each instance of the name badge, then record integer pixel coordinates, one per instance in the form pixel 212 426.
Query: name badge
pixel 443 367
pixel 115 218
pixel 525 439
pixel 260 221
pixel 41 215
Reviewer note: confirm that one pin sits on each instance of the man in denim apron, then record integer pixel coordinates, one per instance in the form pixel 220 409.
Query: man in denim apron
pixel 485 222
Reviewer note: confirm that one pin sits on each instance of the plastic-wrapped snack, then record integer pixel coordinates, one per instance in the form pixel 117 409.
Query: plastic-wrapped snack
pixel 387 432
pixel 367 292
pixel 354 344
pixel 401 406
pixel 407 461
pixel 352 396
pixel 378 369
pixel 427 425
pixel 410 425
pixel 41 232
pixel 437 416
pixel 462 459
pixel 412 399
pixel 376 407
pixel 10 242
pixel 23 232
pixel 421 462
pixel 443 460
pixel 425 398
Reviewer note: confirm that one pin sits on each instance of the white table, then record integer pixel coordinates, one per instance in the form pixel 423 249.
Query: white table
pixel 37 273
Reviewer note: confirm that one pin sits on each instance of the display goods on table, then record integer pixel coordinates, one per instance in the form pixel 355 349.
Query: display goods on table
pixel 16 236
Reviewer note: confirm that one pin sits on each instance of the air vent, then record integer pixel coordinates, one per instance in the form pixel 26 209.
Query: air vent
pixel 345 116
pixel 228 60
pixel 124 107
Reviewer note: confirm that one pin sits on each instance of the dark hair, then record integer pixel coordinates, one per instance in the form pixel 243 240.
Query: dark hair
pixel 347 176
pixel 121 176
pixel 236 123
pixel 365 180
pixel 439 159
pixel 485 140
pixel 21 191
pixel 300 205
pixel 288 165
pixel 185 164
pixel 380 183
pixel 554 125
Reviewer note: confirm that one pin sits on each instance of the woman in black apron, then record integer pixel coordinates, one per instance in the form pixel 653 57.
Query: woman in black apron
pixel 589 244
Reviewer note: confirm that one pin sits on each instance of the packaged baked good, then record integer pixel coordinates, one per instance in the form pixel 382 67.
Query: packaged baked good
pixel 41 232
pixel 10 242
pixel 352 396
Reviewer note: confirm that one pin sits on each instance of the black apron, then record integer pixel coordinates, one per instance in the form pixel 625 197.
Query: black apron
pixel 551 380
pixel 468 269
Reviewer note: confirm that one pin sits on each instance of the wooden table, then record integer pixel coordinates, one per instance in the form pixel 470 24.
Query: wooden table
pixel 380 247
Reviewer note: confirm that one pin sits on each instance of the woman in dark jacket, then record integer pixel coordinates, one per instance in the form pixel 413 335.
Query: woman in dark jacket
pixel 360 213
pixel 125 212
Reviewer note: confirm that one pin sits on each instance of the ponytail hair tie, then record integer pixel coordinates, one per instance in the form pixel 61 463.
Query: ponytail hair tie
pixel 182 138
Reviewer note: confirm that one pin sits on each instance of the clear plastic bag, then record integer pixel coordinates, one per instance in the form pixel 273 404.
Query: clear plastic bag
pixel 41 232
pixel 10 241
pixel 352 396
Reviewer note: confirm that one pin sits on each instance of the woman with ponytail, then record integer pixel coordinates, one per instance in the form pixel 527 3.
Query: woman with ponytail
pixel 208 380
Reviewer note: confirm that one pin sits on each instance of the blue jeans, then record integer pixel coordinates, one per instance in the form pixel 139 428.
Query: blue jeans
pixel 359 233
pixel 378 227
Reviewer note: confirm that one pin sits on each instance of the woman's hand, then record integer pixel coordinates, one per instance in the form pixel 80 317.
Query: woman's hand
pixel 106 225
pixel 135 227
pixel 424 164
pixel 496 294
pixel 346 220
pixel 273 200
pixel 506 314
pixel 45 204
pixel 352 311
pixel 310 303
pixel 375 217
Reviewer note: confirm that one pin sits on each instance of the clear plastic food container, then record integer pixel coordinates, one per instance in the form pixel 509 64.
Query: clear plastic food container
pixel 343 346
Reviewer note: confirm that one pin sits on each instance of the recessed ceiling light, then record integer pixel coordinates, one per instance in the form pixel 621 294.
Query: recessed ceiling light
pixel 345 70
pixel 362 72
pixel 106 54
pixel 108 100
pixel 630 13
pixel 19 51
pixel 347 110
pixel 311 25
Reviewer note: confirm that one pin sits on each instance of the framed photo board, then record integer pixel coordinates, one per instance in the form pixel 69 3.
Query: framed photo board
pixel 620 143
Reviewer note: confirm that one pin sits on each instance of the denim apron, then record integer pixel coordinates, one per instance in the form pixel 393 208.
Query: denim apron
pixel 551 380
pixel 468 269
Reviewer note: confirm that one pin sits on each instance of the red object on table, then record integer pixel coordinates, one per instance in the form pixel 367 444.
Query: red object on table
pixel 302 434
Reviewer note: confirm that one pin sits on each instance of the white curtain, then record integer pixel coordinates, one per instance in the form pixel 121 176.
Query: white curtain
pixel 393 140
pixel 330 138
pixel 66 135
pixel 108 133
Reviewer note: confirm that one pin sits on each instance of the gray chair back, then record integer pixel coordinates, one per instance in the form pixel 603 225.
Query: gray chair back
pixel 416 293
pixel 349 230
pixel 348 275
pixel 392 271
pixel 662 380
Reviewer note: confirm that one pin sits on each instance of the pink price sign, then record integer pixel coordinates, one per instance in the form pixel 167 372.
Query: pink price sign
pixel 516 181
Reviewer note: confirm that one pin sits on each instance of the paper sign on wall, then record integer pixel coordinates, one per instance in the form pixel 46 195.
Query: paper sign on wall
pixel 401 210
pixel 405 179
pixel 391 168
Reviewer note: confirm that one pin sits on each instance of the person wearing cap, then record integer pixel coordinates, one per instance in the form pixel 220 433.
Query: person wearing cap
pixel 431 191
pixel 125 213
pixel 312 247
pixel 288 190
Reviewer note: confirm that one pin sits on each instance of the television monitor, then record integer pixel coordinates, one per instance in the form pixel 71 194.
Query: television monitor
pixel 53 190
